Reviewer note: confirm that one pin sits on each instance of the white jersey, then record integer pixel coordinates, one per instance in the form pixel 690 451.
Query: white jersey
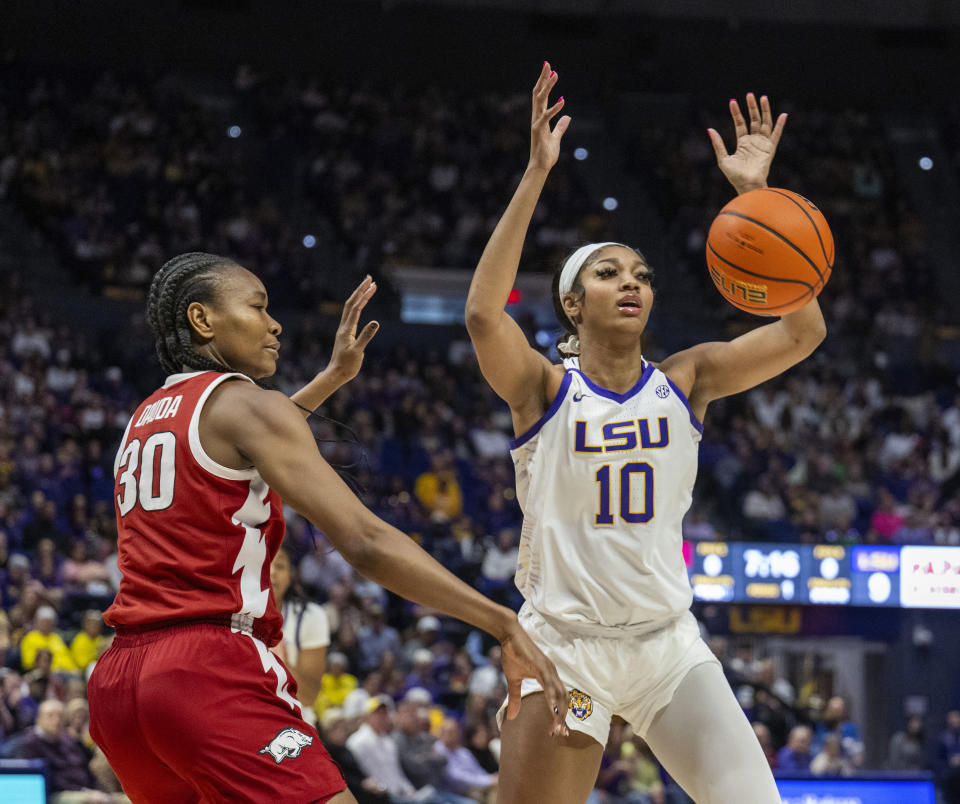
pixel 604 480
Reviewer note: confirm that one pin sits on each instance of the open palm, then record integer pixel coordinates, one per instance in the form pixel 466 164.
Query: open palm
pixel 544 142
pixel 747 167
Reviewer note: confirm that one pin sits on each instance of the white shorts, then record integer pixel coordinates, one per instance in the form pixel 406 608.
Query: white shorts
pixel 630 676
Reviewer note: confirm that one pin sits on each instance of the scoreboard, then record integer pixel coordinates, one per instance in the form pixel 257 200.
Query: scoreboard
pixel 825 574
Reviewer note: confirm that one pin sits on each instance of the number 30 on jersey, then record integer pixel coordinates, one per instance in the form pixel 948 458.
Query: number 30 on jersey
pixel 153 484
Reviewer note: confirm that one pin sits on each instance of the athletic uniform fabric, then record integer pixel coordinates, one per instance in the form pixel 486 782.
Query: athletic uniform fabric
pixel 604 480
pixel 189 704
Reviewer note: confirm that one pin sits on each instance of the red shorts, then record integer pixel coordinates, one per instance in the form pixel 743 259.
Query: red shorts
pixel 200 713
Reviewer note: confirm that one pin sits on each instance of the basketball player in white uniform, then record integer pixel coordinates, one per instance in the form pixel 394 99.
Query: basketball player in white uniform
pixel 606 457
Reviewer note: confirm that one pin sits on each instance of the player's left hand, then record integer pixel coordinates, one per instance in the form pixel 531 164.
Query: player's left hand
pixel 521 659
pixel 747 167
pixel 348 347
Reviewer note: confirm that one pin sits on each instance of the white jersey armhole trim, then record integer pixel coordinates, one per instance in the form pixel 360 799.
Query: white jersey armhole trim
pixel 123 443
pixel 694 421
pixel 196 448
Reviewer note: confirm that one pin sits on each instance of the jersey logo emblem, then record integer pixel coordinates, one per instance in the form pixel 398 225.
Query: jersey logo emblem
pixel 581 704
pixel 288 743
pixel 578 396
pixel 663 391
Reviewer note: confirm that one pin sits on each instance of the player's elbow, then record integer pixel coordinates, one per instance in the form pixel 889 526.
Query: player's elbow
pixel 815 335
pixel 480 320
pixel 362 546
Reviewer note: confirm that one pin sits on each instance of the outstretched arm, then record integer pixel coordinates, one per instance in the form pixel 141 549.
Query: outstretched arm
pixel 269 432
pixel 347 354
pixel 514 370
pixel 714 370
pixel 748 166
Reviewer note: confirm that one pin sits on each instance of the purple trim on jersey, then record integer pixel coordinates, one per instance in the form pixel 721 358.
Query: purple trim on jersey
pixel 683 398
pixel 523 438
pixel 619 398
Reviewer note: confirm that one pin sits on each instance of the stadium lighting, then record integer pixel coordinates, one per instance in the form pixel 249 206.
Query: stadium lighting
pixel 234 131
pixel 309 241
pixel 610 203
pixel 580 154
pixel 926 163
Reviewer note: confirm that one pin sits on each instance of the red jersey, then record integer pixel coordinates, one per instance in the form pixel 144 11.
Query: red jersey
pixel 195 538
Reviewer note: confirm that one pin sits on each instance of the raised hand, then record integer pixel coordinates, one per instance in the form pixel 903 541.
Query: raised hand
pixel 747 167
pixel 347 356
pixel 544 143
pixel 521 659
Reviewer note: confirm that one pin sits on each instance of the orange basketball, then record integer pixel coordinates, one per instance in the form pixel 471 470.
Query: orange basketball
pixel 769 251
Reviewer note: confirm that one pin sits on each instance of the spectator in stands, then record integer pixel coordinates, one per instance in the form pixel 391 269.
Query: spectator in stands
pixel 82 573
pixel 643 784
pixel 908 750
pixel 89 641
pixel 947 759
pixel 886 519
pixel 423 674
pixel 43 635
pixel 795 755
pixel 438 489
pixel 696 526
pixel 376 637
pixel 463 774
pixel 377 755
pixel 834 720
pixel 766 743
pixel 335 730
pixel 336 684
pixel 323 567
pixel 498 568
pixel 16 713
pixel 830 761
pixel 415 744
pixel 306 632
pixel 71 781
pixel 488 677
pixel 479 740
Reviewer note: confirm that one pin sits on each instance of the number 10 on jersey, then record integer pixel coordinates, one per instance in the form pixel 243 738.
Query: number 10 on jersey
pixel 630 474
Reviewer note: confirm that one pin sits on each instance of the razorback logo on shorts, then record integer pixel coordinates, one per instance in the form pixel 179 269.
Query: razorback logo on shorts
pixel 288 743
pixel 581 704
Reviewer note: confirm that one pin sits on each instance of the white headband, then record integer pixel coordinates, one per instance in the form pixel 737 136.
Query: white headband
pixel 571 268
pixel 575 262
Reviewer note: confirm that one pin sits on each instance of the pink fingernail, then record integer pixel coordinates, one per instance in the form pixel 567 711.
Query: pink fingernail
pixel 553 73
pixel 560 99
pixel 733 100
pixel 544 64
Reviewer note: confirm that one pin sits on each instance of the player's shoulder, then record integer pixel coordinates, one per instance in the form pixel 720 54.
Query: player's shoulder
pixel 681 367
pixel 236 397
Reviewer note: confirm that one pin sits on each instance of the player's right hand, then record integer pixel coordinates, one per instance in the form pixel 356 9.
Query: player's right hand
pixel 522 659
pixel 347 356
pixel 544 143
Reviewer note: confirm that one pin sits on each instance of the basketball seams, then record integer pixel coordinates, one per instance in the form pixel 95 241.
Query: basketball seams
pixel 777 234
pixel 809 218
pixel 759 276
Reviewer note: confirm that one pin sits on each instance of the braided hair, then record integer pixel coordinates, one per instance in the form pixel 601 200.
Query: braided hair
pixel 187 278
pixel 568 344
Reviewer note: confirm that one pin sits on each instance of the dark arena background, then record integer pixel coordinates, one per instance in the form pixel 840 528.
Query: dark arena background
pixel 317 142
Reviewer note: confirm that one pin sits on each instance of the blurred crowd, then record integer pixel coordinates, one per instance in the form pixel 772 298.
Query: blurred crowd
pixel 120 174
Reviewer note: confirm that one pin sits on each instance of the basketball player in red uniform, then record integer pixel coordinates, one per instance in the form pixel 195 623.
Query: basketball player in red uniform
pixel 189 704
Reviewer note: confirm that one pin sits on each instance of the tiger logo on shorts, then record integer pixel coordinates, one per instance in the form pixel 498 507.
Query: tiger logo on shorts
pixel 288 743
pixel 581 704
